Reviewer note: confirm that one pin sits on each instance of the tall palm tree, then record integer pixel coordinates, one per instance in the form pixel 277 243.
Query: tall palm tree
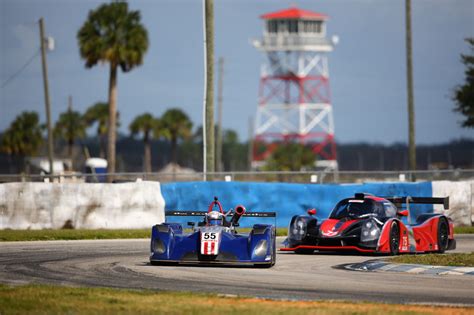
pixel 145 124
pixel 176 124
pixel 70 126
pixel 99 112
pixel 113 34
pixel 24 136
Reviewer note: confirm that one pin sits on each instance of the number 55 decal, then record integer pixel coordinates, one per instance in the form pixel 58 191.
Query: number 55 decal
pixel 209 235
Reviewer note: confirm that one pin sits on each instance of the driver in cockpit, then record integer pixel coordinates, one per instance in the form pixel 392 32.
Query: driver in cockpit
pixel 215 218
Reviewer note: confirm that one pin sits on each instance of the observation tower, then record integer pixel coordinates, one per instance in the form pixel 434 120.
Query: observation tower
pixel 294 101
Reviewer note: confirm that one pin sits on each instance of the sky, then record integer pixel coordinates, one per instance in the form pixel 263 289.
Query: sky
pixel 367 67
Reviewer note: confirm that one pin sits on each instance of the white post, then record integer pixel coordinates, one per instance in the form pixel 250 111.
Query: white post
pixel 204 156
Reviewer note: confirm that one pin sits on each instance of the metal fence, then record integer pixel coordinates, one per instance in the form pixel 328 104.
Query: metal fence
pixel 256 176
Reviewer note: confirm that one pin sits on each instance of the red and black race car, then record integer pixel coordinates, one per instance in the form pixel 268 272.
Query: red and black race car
pixel 370 224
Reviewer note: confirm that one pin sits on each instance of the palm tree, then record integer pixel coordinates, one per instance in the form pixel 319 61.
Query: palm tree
pixel 113 34
pixel 464 94
pixel 24 136
pixel 145 124
pixel 176 124
pixel 69 127
pixel 99 112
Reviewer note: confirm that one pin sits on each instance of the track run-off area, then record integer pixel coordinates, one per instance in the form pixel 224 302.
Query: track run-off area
pixel 124 264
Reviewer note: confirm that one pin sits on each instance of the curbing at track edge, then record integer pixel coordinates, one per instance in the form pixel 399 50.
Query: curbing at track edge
pixel 383 266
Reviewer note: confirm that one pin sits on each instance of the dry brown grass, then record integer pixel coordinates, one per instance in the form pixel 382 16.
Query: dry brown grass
pixel 61 300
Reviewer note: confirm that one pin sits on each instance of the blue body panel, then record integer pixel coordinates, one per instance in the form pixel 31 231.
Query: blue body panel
pixel 170 244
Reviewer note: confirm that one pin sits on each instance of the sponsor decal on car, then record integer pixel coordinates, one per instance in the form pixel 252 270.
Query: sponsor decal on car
pixel 404 243
pixel 210 243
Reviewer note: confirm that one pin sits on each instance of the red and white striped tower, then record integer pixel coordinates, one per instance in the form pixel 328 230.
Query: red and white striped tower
pixel 294 96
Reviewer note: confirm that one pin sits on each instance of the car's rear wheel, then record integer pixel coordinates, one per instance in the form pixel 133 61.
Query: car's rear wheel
pixel 394 239
pixel 443 235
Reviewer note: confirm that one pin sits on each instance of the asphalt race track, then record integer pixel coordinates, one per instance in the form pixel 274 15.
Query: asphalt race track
pixel 124 264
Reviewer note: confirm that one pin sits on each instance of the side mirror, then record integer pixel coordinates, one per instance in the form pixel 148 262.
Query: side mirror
pixel 312 211
pixel 191 224
pixel 403 213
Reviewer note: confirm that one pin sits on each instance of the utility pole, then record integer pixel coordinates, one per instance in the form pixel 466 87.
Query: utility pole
pixel 70 143
pixel 411 105
pixel 250 149
pixel 69 103
pixel 46 97
pixel 210 145
pixel 219 167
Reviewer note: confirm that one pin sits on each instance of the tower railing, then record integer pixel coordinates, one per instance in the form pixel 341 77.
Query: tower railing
pixel 277 41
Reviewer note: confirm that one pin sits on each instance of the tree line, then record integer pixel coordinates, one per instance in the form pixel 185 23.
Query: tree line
pixel 24 137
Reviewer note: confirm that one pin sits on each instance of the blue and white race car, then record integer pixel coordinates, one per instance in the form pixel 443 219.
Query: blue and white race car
pixel 214 240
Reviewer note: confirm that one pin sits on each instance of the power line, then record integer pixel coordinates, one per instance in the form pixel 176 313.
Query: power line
pixel 18 72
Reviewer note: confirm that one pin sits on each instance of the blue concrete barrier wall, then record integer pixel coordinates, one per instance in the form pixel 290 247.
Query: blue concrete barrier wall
pixel 284 198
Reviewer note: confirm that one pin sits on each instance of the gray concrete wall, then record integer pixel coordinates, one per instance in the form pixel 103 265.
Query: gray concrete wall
pixel 80 205
pixel 461 200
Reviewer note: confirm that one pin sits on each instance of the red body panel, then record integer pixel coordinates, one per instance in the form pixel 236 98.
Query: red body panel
pixel 330 248
pixel 426 235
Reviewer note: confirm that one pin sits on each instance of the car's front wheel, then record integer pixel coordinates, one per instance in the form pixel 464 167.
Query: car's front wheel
pixel 394 239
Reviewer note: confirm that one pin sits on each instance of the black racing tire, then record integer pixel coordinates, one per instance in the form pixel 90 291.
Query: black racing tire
pixel 394 239
pixel 443 235
pixel 263 266
pixel 274 249
pixel 163 263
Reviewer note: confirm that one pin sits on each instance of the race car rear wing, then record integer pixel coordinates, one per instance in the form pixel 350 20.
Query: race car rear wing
pixel 191 213
pixel 398 201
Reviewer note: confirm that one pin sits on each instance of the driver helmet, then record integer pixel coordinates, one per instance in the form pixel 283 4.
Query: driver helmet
pixel 215 218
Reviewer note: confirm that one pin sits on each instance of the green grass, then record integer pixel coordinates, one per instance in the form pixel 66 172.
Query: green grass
pixel 71 234
pixel 34 299
pixel 459 260
pixel 66 234
pixel 464 230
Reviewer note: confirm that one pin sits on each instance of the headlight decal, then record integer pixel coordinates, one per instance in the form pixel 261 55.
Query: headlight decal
pixel 261 248
pixel 298 229
pixel 369 232
pixel 158 246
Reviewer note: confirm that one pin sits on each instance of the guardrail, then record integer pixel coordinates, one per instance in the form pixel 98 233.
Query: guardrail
pixel 319 177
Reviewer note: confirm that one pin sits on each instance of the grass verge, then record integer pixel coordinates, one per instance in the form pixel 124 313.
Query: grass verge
pixel 464 230
pixel 459 260
pixel 66 300
pixel 66 234
pixel 71 234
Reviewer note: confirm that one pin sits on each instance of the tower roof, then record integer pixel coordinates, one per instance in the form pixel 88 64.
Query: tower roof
pixel 294 13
